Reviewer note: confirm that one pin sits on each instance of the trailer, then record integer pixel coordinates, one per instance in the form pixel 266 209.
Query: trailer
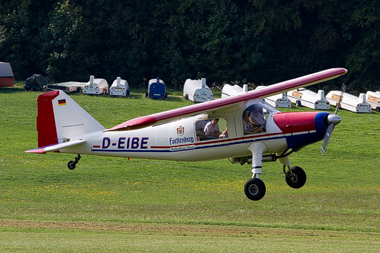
pixel 373 98
pixel 6 75
pixel 229 90
pixel 197 90
pixel 279 100
pixel 119 87
pixel 156 89
pixel 96 86
pixel 349 102
pixel 67 87
pixel 310 99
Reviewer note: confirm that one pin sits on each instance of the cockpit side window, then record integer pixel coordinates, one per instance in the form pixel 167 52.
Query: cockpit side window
pixel 254 120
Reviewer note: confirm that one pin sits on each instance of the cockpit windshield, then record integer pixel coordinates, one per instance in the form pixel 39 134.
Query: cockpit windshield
pixel 255 116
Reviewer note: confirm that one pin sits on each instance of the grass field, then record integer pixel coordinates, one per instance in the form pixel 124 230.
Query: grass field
pixel 112 204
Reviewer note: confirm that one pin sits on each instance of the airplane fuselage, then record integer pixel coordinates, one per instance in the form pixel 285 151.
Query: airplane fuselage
pixel 178 140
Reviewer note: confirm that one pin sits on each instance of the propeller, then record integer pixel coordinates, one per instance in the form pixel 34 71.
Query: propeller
pixel 332 121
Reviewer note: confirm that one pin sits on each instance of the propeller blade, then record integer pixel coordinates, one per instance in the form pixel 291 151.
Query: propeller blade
pixel 332 120
pixel 329 130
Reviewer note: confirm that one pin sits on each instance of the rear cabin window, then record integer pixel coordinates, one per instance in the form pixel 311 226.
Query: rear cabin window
pixel 211 129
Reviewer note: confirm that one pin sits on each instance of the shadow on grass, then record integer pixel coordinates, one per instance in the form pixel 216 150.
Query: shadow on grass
pixel 9 90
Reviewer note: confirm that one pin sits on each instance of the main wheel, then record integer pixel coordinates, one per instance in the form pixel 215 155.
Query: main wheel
pixel 296 177
pixel 71 165
pixel 254 189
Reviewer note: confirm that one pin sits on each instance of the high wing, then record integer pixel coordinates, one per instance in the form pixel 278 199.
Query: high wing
pixel 206 107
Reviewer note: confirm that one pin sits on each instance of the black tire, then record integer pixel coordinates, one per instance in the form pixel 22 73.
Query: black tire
pixel 254 189
pixel 297 178
pixel 71 165
pixel 186 96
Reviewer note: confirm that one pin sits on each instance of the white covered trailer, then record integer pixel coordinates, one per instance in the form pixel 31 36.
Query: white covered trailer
pixel 119 87
pixel 230 91
pixel 96 86
pixel 310 99
pixel 197 90
pixel 373 98
pixel 279 100
pixel 349 102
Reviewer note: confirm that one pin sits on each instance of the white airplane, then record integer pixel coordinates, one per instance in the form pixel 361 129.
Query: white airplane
pixel 179 134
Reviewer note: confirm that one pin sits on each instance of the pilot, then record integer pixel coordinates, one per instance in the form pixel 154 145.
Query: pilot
pixel 248 127
pixel 212 130
pixel 257 119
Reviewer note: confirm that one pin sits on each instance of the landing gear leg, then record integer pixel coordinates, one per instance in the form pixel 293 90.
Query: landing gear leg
pixel 255 188
pixel 71 165
pixel 295 176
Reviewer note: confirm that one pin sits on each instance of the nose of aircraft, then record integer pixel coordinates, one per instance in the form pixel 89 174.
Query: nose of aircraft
pixel 304 128
pixel 332 118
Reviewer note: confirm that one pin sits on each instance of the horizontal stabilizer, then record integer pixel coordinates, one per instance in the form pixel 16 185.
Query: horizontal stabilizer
pixel 55 147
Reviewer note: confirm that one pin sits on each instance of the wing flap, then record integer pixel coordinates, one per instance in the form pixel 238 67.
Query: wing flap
pixel 206 107
pixel 55 147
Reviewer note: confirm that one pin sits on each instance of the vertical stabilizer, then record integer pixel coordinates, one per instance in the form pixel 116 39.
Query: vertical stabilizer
pixel 61 118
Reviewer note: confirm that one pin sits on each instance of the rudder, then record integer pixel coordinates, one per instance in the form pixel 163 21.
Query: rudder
pixel 60 118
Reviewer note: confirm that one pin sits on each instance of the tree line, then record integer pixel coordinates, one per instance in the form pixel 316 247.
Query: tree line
pixel 225 41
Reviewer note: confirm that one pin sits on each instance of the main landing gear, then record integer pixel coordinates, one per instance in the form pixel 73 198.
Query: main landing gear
pixel 71 165
pixel 255 188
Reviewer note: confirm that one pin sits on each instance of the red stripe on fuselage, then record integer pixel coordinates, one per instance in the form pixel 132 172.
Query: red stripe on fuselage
pixel 292 122
pixel 47 133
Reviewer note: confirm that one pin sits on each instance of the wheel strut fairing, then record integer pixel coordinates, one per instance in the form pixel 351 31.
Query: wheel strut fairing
pixel 302 128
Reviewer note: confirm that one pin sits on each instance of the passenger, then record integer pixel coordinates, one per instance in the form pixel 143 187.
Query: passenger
pixel 200 125
pixel 212 130
pixel 257 119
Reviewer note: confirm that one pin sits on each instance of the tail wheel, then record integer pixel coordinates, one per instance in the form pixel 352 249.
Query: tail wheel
pixel 295 177
pixel 254 189
pixel 71 165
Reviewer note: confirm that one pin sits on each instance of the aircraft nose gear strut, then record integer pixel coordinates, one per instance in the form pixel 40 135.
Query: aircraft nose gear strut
pixel 71 164
pixel 295 176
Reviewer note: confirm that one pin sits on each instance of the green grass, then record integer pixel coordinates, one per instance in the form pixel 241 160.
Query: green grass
pixel 148 205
